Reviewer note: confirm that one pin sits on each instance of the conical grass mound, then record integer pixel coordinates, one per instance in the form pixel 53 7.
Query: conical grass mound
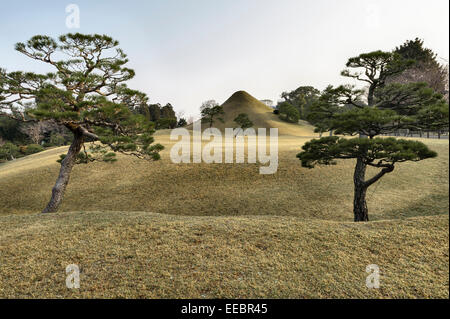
pixel 260 114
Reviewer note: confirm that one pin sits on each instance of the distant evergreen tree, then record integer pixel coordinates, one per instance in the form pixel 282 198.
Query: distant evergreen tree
pixel 415 50
pixel 155 112
pixel 182 122
pixel 243 121
pixel 87 94
pixel 210 111
pixel 425 69
pixel 166 123
pixel 288 112
pixel 164 117
pixel 302 98
pixel 10 130
pixel 167 111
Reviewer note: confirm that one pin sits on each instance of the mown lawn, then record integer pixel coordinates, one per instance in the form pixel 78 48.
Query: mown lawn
pixel 146 255
pixel 162 230
pixel 326 193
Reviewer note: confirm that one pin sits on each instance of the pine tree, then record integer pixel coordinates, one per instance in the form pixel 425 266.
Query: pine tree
pixel 243 121
pixel 288 112
pixel 425 69
pixel 182 122
pixel 381 109
pixel 210 111
pixel 87 94
pixel 302 98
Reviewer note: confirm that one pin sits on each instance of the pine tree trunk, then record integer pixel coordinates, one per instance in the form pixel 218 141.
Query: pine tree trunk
pixel 360 210
pixel 371 95
pixel 64 174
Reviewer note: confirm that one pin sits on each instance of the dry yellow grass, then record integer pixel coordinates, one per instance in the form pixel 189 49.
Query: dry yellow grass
pixel 223 230
pixel 146 255
pixel 413 189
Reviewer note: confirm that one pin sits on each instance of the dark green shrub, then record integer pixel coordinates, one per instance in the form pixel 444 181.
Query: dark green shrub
pixel 9 151
pixel 31 149
pixel 56 140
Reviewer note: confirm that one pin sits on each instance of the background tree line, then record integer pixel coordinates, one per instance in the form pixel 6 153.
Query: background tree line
pixel 19 139
pixel 300 103
pixel 383 107
pixel 164 117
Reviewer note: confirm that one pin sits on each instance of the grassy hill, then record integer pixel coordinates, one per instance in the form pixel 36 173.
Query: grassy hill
pixel 326 193
pixel 260 114
pixel 160 230
pixel 147 255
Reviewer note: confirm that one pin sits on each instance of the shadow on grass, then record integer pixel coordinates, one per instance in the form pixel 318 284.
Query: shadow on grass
pixel 433 205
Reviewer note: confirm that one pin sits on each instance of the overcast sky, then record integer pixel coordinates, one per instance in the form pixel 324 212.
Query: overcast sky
pixel 188 51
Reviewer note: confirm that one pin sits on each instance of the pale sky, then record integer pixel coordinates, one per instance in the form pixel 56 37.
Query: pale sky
pixel 188 51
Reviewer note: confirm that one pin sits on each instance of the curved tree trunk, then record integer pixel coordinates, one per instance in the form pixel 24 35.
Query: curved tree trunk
pixel 64 174
pixel 360 210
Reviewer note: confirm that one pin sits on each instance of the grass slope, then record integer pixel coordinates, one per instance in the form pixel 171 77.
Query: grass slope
pixel 137 255
pixel 260 114
pixel 326 193
pixel 223 230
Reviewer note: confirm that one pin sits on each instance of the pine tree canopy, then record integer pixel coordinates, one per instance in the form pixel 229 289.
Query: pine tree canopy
pixel 415 50
pixel 243 121
pixel 211 110
pixel 85 92
pixel 302 98
pixel 375 67
pixel 396 106
pixel 377 152
pixel 288 112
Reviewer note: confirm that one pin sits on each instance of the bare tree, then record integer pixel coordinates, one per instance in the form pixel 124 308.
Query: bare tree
pixel 436 76
pixel 190 120
pixel 180 114
pixel 268 102
pixel 35 131
pixel 446 82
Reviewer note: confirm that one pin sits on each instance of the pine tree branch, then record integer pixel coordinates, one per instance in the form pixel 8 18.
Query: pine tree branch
pixel 86 133
pixel 384 171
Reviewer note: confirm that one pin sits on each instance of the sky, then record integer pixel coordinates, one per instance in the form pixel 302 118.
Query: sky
pixel 189 51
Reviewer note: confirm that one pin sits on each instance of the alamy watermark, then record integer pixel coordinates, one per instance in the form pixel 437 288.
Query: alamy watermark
pixel 73 17
pixel 213 151
pixel 73 276
pixel 372 17
pixel 373 279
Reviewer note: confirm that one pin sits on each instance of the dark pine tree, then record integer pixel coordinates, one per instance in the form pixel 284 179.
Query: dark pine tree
pixel 87 94
pixel 302 98
pixel 211 111
pixel 243 121
pixel 381 109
